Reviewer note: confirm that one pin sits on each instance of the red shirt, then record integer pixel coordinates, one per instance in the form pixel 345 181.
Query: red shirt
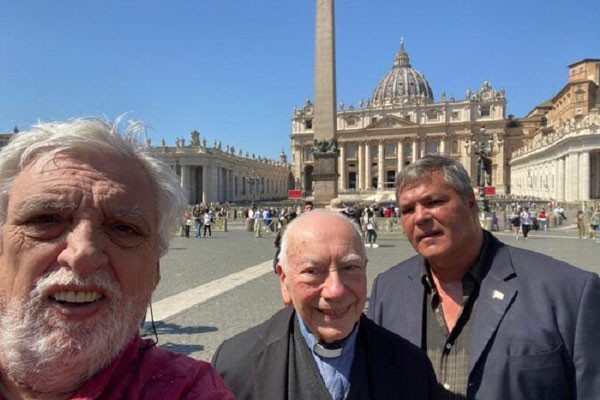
pixel 143 371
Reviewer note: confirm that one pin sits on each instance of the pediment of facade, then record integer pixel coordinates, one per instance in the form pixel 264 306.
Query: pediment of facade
pixel 390 121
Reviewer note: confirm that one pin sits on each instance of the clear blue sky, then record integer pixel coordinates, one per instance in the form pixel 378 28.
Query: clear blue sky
pixel 234 70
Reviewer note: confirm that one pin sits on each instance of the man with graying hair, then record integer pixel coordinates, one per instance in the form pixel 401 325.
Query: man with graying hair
pixel 85 215
pixel 497 322
pixel 322 346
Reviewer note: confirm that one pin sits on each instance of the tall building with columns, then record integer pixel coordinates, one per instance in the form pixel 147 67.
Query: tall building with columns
pixel 218 174
pixel 561 158
pixel 401 123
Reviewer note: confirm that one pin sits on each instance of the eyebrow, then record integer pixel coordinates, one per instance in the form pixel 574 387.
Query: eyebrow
pixel 43 203
pixel 37 204
pixel 351 258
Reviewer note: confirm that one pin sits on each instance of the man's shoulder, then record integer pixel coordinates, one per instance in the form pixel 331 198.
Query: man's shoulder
pixel 541 266
pixel 161 373
pixel 242 345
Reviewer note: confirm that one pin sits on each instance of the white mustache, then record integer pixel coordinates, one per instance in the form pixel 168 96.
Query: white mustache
pixel 99 280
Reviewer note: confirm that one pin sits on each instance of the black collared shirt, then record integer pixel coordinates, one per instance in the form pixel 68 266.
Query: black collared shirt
pixel 449 351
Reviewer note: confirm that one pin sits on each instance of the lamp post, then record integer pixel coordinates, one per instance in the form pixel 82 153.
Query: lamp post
pixel 482 146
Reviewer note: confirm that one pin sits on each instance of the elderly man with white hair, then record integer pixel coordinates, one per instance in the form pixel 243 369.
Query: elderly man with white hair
pixel 322 346
pixel 85 215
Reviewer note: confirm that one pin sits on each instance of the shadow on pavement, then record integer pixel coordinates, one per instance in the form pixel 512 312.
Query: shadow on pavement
pixel 186 349
pixel 174 329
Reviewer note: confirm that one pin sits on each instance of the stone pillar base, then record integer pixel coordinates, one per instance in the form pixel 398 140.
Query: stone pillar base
pixel 325 178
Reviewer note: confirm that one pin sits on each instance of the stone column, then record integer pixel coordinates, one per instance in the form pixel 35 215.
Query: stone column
pixel 185 182
pixel 415 149
pixel 584 176
pixel 213 191
pixel 560 179
pixel 360 179
pixel 343 181
pixel 380 166
pixel 571 177
pixel 325 174
pixel 400 156
pixel 229 187
pixel 368 163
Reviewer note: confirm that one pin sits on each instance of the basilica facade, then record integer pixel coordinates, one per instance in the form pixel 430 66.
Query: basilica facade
pixel 401 123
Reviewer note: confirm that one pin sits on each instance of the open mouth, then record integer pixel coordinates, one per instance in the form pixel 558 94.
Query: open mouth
pixel 333 314
pixel 430 235
pixel 76 298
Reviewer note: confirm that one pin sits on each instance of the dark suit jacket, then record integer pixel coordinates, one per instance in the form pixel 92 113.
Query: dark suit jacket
pixel 254 363
pixel 536 327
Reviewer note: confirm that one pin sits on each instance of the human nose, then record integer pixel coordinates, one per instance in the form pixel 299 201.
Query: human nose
pixel 84 248
pixel 421 214
pixel 333 287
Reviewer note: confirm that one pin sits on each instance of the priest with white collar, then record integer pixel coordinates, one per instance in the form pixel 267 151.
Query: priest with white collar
pixel 321 346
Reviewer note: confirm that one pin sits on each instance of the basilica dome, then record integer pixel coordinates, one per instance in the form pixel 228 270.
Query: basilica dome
pixel 403 84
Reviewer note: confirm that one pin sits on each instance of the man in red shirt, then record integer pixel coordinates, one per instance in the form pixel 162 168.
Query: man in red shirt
pixel 85 215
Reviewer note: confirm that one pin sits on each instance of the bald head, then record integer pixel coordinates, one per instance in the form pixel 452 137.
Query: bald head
pixel 319 221
pixel 322 272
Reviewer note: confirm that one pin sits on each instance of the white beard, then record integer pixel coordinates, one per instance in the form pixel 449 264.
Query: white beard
pixel 46 354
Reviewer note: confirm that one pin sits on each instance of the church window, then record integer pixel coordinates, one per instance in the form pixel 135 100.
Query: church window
pixel 373 120
pixel 485 111
pixel 408 150
pixel 455 115
pixel 374 152
pixel 351 151
pixel 454 146
pixel 390 179
pixel 308 123
pixel 432 115
pixel 407 117
pixel 390 150
pixel 352 180
pixel 432 146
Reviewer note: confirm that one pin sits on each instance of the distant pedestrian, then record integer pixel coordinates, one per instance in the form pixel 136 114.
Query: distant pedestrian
pixel 526 222
pixel 543 220
pixel 371 227
pixel 208 220
pixel 197 214
pixel 187 223
pixel 515 222
pixel 580 221
pixel 595 223
pixel 495 226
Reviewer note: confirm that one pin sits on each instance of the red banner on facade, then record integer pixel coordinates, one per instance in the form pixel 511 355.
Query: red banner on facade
pixel 295 194
pixel 490 190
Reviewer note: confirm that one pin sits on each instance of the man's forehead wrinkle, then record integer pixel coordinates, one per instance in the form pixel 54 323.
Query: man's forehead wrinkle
pixel 351 257
pixel 130 211
pixel 45 202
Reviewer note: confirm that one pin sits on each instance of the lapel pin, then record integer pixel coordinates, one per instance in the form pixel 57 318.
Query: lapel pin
pixel 497 295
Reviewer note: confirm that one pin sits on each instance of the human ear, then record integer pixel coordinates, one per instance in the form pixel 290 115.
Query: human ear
pixel 285 293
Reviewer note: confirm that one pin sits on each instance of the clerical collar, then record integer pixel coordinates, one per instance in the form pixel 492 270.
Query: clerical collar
pixel 327 350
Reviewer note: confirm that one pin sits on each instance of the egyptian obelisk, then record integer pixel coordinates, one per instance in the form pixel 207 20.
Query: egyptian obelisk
pixel 325 152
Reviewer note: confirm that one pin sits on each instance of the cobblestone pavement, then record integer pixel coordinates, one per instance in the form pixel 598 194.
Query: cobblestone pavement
pixel 209 294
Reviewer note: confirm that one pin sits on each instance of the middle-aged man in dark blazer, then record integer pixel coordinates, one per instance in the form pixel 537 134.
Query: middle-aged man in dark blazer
pixel 497 322
pixel 322 346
